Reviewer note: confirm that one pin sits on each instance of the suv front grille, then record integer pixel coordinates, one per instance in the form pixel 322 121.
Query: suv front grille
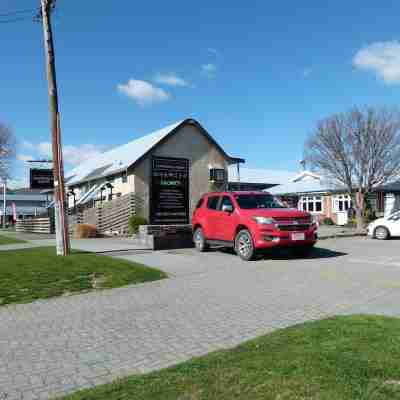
pixel 294 228
pixel 293 221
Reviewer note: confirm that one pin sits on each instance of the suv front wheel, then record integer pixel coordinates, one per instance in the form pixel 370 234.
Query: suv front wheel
pixel 244 245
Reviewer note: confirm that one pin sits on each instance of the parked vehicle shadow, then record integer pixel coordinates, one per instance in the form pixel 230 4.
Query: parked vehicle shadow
pixel 317 253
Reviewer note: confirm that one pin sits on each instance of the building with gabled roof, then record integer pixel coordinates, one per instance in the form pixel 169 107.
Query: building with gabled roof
pixel 138 167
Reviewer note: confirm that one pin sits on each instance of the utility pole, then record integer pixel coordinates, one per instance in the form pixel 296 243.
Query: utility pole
pixel 61 223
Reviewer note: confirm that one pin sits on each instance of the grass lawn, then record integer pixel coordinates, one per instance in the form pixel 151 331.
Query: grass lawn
pixel 356 357
pixel 28 275
pixel 9 240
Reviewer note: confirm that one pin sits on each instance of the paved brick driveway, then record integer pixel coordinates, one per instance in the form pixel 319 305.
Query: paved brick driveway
pixel 212 301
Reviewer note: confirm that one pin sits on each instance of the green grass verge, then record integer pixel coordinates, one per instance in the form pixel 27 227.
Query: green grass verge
pixel 9 240
pixel 31 274
pixel 344 358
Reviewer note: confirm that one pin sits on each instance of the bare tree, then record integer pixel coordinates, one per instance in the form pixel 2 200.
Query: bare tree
pixel 7 150
pixel 358 150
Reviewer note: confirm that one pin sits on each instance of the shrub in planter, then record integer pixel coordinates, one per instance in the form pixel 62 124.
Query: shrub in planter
pixel 134 222
pixel 85 231
pixel 352 223
pixel 328 221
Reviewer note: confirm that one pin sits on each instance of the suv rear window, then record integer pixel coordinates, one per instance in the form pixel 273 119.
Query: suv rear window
pixel 212 202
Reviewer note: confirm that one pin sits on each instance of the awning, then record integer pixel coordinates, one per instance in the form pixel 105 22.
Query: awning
pixel 87 196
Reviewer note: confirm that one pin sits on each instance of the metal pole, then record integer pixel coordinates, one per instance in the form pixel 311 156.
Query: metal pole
pixel 4 203
pixel 62 237
pixel 238 174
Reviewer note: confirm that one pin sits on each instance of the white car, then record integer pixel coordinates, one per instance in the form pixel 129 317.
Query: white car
pixel 385 228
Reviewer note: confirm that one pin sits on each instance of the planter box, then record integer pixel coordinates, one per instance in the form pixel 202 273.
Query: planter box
pixel 164 237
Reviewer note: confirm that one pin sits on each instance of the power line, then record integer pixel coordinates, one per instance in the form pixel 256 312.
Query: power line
pixel 35 15
pixel 10 21
pixel 12 13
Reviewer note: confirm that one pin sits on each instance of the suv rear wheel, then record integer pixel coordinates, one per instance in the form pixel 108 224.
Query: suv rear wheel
pixel 199 240
pixel 244 245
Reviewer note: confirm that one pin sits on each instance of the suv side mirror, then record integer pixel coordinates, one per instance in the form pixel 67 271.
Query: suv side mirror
pixel 227 208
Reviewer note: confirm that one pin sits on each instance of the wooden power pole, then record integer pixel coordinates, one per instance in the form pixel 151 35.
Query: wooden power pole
pixel 61 222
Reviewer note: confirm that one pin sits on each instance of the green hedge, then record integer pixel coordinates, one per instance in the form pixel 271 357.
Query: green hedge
pixel 134 222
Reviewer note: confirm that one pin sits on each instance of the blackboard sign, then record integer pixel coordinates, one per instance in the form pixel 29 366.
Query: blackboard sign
pixel 41 178
pixel 169 199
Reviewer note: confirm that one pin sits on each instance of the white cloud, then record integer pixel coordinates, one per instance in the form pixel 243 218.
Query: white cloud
pixel 209 70
pixel 73 155
pixel 171 79
pixel 142 92
pixel 24 157
pixel 382 58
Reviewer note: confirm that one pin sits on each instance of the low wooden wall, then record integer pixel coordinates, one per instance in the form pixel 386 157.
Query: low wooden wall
pixel 35 225
pixel 112 216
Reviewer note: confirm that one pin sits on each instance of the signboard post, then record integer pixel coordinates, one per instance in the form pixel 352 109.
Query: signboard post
pixel 169 197
pixel 41 178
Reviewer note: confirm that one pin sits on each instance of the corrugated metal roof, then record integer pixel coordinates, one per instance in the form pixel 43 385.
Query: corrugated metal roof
pixel 119 158
pixel 301 187
pixel 122 157
pixel 25 210
pixel 24 197
pixel 390 187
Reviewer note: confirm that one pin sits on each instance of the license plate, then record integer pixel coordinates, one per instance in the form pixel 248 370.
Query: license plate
pixel 298 236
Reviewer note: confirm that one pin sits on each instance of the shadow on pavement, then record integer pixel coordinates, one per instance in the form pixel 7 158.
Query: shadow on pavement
pixel 317 254
pixel 286 254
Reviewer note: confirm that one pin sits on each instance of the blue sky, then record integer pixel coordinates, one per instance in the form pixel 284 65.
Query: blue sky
pixel 258 75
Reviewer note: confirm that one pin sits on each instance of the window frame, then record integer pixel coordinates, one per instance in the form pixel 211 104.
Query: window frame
pixel 307 200
pixel 341 198
pixel 218 197
pixel 222 201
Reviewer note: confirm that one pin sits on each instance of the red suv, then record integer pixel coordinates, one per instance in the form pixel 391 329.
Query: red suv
pixel 250 222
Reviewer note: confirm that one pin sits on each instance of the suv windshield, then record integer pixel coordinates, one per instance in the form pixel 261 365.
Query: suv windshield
pixel 253 201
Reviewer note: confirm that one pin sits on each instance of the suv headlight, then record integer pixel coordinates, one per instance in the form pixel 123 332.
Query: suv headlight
pixel 264 220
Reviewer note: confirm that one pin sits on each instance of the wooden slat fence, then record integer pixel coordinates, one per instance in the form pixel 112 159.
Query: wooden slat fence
pixel 112 216
pixel 36 225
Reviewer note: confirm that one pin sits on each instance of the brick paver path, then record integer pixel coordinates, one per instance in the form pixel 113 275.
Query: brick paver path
pixel 211 301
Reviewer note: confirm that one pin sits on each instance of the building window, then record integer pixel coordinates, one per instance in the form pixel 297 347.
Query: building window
pixel 124 177
pixel 341 203
pixel 217 175
pixel 312 204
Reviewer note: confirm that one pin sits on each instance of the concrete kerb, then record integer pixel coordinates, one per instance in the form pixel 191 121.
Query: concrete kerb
pixel 342 236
